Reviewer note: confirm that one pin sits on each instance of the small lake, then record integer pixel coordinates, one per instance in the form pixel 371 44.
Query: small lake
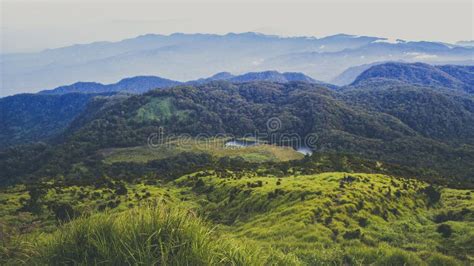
pixel 243 144
pixel 304 150
pixel 240 143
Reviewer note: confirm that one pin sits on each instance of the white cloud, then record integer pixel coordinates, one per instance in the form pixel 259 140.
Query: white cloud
pixel 421 56
pixel 388 40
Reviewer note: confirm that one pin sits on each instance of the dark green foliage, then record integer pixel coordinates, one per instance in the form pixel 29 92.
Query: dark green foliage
pixel 18 162
pixel 390 137
pixel 34 203
pixel 453 215
pixel 199 183
pixel 433 194
pixel 121 189
pixel 29 118
pixel 352 234
pixel 445 230
pixel 435 114
pixel 398 193
pixel 363 222
pixel 63 211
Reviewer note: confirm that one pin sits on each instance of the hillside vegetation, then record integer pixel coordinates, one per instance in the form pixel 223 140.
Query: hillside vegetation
pixel 384 125
pixel 330 218
pixel 323 217
pixel 28 118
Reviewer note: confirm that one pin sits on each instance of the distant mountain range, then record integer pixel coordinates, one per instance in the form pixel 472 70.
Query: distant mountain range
pixel 141 84
pixel 184 57
pixel 466 43
pixel 447 76
pixel 36 117
pixel 273 76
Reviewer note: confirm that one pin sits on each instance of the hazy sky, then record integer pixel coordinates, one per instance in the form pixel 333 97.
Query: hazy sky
pixel 38 24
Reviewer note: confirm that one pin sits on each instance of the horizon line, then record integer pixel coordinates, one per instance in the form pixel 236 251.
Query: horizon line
pixel 314 37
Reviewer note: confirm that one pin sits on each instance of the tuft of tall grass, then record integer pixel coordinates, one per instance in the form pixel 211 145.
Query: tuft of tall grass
pixel 155 234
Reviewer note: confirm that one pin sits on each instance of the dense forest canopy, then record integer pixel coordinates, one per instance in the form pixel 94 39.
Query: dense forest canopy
pixel 409 125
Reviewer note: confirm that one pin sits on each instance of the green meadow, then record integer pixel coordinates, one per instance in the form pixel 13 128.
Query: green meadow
pixel 241 218
pixel 214 147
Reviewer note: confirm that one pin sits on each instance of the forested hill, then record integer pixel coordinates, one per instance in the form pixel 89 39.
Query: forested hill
pixel 435 137
pixel 39 117
pixel 28 118
pixel 433 113
pixel 448 76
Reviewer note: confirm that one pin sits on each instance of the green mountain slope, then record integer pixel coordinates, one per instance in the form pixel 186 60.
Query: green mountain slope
pixel 29 117
pixel 433 114
pixel 410 126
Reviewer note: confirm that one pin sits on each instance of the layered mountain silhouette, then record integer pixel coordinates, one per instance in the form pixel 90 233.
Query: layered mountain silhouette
pixel 423 97
pixel 141 84
pixel 185 57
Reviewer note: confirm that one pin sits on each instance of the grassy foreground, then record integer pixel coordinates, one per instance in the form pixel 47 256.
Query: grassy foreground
pixel 148 235
pixel 332 218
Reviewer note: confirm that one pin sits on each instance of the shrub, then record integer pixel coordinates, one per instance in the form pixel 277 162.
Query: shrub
pixel 34 203
pixel 121 189
pixel 363 222
pixel 199 183
pixel 445 230
pixel 64 211
pixel 352 234
pixel 96 195
pixel 433 194
pixel 398 193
